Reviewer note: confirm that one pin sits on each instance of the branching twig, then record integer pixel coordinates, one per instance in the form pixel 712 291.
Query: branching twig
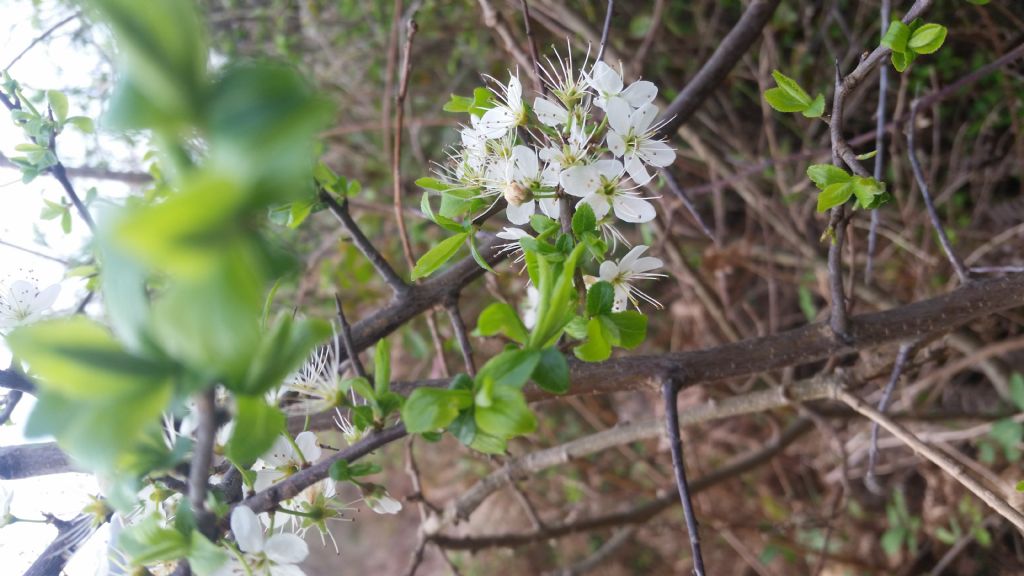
pixel 933 214
pixel 461 334
pixel 669 392
pixel 879 172
pixel 46 34
pixel 396 153
pixel 897 369
pixel 605 28
pixel 346 339
pixel 202 455
pixel 837 220
pixel 955 470
pixel 380 264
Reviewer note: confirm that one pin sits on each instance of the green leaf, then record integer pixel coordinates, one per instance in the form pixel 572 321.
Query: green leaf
pixel 59 104
pixel 552 372
pixel 596 348
pixel 382 367
pixel 432 184
pixel 457 104
pixel 148 542
pixel 927 39
pixel 508 415
pixel 488 444
pixel 902 60
pixel 428 409
pixel 478 257
pixel 791 87
pixel 257 425
pixel 817 107
pixel 501 318
pixel 83 123
pixel 834 195
pixel 870 193
pixel 541 224
pixel 1020 486
pixel 77 358
pixel 464 427
pixel 583 220
pixel 825 175
pixel 511 368
pixel 1017 390
pixel 896 37
pixel 281 351
pixel 438 255
pixel 600 298
pixel 632 327
pixel 204 557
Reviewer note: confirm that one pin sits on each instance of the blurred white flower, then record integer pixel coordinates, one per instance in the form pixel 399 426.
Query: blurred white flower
pixel 509 111
pixel 600 185
pixel 21 303
pixel 319 381
pixel 513 247
pixel 278 555
pixel 621 275
pixel 631 137
pixel 286 458
pixel 529 307
pixel 348 430
pixel 382 503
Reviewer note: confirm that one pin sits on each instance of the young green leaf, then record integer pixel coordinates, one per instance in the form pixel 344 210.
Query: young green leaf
pixel 257 425
pixel 438 255
pixel 825 175
pixel 816 108
pixel 927 39
pixel 583 220
pixel 507 416
pixel 552 372
pixel 632 327
pixel 896 37
pixel 429 409
pixel 500 318
pixel 59 104
pixel 382 367
pixel 834 195
pixel 600 298
pixel 596 348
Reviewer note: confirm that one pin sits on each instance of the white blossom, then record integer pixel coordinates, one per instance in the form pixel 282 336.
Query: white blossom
pixel 600 185
pixel 508 113
pixel 523 183
pixel 513 247
pixel 382 503
pixel 529 307
pixel 276 555
pixel 631 137
pixel 283 460
pixel 621 275
pixel 22 303
pixel 607 83
pixel 319 381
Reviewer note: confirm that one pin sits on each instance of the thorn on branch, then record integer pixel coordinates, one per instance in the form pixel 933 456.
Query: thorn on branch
pixel 346 340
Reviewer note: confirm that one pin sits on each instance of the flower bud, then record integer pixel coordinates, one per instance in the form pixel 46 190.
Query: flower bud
pixel 516 193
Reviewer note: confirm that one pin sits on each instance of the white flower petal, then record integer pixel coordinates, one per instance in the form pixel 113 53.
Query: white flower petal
pixel 308 444
pixel 640 92
pixel 384 504
pixel 550 207
pixel 280 454
pixel 610 169
pixel 509 233
pixel 22 293
pixel 633 209
pixel 627 261
pixel 604 78
pixel 608 271
pixel 642 118
pixel 46 298
pixel 657 153
pixel 580 180
pixel 265 479
pixel 247 530
pixel 520 215
pixel 621 297
pixel 637 171
pixel 619 112
pixel 525 159
pixel 549 113
pixel 598 202
pixel 646 264
pixel 514 95
pixel 615 143
pixel 286 548
pixel 286 570
pixel 496 122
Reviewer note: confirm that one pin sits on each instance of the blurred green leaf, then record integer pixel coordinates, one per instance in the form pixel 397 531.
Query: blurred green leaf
pixel 500 318
pixel 257 426
pixel 552 372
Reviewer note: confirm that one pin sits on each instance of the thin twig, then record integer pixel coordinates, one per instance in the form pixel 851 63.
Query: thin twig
pixel 680 193
pixel 396 155
pixel 837 220
pixel 380 264
pixel 933 214
pixel 461 334
pixel 897 369
pixel 669 394
pixel 955 470
pixel 346 339
pixel 33 252
pixel 605 28
pixel 40 38
pixel 879 172
pixel 532 43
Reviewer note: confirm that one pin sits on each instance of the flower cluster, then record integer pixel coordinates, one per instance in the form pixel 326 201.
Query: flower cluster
pixel 589 139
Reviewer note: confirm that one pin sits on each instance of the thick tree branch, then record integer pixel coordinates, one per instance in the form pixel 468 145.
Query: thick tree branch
pixel 28 460
pixel 70 535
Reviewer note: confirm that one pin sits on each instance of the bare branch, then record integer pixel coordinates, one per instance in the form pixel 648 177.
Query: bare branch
pixel 669 393
pixel 379 263
pixel 605 28
pixel 955 470
pixel 897 369
pixel 28 460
